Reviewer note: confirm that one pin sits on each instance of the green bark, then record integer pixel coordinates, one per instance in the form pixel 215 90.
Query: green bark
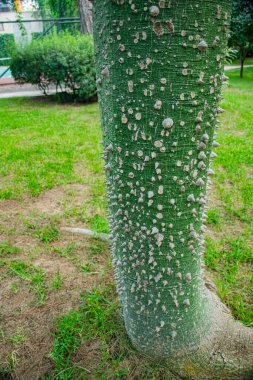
pixel 159 76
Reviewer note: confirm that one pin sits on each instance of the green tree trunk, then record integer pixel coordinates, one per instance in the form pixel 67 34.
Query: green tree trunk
pixel 159 76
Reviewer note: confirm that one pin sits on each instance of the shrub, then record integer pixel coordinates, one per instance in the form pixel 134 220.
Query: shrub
pixel 36 35
pixel 64 60
pixel 231 55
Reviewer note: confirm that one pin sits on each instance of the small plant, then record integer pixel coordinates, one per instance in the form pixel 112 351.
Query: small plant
pixel 213 217
pixel 86 268
pixel 9 367
pixel 68 251
pixel 14 287
pixel 33 275
pixel 6 194
pixel 17 338
pixel 99 224
pixel 8 249
pixel 57 281
pixel 47 233
pixel 43 229
pixel 97 247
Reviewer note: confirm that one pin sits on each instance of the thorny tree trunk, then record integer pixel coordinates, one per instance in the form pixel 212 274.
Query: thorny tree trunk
pixel 85 10
pixel 159 76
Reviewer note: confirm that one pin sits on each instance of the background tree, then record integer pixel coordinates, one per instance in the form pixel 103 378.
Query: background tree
pixel 70 8
pixel 159 76
pixel 60 9
pixel 85 11
pixel 242 28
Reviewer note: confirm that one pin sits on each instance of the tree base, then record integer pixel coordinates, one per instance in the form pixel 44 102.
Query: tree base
pixel 226 352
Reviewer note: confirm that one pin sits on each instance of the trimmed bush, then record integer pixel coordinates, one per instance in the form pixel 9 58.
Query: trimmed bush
pixel 64 60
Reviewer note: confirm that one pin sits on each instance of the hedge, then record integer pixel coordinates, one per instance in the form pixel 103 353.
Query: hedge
pixel 63 60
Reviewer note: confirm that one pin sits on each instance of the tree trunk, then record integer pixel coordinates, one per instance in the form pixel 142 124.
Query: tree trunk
pixel 159 74
pixel 85 10
pixel 243 56
pixel 242 66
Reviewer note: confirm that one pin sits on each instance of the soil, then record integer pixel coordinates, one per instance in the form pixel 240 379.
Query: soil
pixel 20 313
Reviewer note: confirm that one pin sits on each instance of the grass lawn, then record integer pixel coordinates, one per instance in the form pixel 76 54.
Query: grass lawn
pixel 248 61
pixel 59 316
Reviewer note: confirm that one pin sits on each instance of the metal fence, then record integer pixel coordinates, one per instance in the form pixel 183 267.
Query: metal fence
pixel 48 25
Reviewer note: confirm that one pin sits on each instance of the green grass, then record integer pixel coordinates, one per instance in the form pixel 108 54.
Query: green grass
pixel 41 144
pixel 34 276
pixel 245 83
pixel 248 61
pixel 232 260
pixel 57 281
pixel 17 338
pixel 98 320
pixel 213 217
pixel 9 366
pixel 43 228
pixel 69 252
pixel 235 156
pixel 230 256
pixel 99 223
pixel 51 145
pixel 7 248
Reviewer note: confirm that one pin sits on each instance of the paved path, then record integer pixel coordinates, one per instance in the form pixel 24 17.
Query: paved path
pixel 15 91
pixel 235 67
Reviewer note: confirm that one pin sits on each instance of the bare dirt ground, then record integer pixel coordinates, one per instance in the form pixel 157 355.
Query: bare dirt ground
pixel 26 325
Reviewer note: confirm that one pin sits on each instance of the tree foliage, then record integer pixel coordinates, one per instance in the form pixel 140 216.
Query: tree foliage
pixel 242 28
pixel 6 45
pixel 58 8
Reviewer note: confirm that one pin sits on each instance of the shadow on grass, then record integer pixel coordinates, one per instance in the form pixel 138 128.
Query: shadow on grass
pixel 61 98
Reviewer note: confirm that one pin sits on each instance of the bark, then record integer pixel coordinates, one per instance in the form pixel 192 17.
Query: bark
pixel 241 69
pixel 242 59
pixel 85 10
pixel 243 56
pixel 159 74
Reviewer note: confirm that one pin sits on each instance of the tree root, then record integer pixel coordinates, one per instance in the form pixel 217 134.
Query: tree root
pixel 86 232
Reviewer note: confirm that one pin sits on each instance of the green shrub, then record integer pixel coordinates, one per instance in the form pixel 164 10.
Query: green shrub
pixel 231 55
pixel 64 60
pixel 7 45
pixel 36 35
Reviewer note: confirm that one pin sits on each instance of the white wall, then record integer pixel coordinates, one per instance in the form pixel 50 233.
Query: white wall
pixel 33 27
